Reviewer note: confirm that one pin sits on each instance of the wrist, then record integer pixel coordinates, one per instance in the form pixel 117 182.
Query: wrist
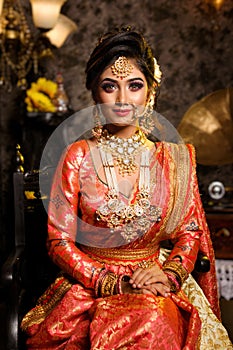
pixel 175 271
pixel 174 284
pixel 109 284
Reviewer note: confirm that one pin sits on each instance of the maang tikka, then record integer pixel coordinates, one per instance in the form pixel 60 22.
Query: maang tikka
pixel 122 68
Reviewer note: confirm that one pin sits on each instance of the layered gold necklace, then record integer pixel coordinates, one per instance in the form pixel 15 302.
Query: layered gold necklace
pixel 133 219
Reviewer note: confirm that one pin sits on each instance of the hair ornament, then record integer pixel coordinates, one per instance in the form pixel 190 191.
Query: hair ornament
pixel 157 72
pixel 122 68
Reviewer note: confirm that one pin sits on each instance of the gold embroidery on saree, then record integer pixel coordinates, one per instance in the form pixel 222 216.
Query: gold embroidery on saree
pixel 46 302
pixel 124 257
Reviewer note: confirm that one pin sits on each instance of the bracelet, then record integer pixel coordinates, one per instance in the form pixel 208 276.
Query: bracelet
pixel 102 273
pixel 108 285
pixel 173 281
pixel 176 269
pixel 119 289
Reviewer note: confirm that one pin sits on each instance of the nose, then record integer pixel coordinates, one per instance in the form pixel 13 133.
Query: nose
pixel 121 96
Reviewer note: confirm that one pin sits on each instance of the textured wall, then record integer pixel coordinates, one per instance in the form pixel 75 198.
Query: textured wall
pixel 193 44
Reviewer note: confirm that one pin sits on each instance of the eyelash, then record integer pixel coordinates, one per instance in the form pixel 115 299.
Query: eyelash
pixel 110 87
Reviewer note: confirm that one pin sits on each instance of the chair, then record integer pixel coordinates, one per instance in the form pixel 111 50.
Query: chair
pixel 28 271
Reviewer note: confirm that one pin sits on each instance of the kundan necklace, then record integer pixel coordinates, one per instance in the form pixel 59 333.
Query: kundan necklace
pixel 133 219
pixel 123 150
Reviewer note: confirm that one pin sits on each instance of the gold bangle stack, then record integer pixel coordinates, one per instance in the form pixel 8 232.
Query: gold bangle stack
pixel 108 285
pixel 176 268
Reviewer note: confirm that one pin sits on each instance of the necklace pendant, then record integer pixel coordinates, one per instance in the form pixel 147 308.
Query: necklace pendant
pixel 155 213
pixel 144 203
pixel 138 210
pixel 113 204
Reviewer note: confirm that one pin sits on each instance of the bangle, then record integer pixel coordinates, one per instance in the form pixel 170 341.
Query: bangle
pixel 118 286
pixel 102 273
pixel 176 269
pixel 108 284
pixel 173 281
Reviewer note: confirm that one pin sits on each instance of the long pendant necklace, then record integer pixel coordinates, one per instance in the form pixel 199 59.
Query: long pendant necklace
pixel 134 219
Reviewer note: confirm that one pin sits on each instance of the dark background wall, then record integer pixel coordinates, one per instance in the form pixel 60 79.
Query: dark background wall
pixel 191 40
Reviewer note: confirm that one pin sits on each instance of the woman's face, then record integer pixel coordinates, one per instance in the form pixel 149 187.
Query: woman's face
pixel 119 96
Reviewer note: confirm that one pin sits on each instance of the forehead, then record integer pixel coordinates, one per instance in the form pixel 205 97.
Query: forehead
pixel 122 70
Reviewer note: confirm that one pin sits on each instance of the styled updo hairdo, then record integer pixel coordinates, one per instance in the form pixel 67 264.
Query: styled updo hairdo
pixel 120 42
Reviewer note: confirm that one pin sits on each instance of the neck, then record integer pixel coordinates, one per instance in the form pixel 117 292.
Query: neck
pixel 121 131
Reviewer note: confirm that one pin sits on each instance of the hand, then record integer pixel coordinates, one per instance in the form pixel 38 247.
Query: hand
pixel 152 277
pixel 127 288
pixel 155 289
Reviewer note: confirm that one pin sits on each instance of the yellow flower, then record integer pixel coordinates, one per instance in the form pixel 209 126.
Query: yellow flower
pixel 40 95
pixel 40 102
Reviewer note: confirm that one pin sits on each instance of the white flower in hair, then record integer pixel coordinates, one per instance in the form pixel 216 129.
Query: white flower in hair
pixel 157 72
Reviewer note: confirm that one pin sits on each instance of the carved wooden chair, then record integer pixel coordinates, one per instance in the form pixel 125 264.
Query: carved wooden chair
pixel 28 271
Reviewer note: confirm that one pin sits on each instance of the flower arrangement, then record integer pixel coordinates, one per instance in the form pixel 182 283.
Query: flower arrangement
pixel 40 96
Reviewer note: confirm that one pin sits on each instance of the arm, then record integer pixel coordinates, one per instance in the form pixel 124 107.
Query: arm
pixel 62 219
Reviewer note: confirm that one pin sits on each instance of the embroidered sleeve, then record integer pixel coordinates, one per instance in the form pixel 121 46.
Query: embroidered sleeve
pixel 186 237
pixel 62 219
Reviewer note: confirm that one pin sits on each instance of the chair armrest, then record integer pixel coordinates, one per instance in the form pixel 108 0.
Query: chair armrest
pixel 202 263
pixel 11 269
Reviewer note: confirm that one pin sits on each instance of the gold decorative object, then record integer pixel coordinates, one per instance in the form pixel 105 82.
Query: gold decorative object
pixel 20 48
pixel 208 125
pixel 122 68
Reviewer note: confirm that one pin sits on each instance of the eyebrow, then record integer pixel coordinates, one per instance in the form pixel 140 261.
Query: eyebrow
pixel 115 81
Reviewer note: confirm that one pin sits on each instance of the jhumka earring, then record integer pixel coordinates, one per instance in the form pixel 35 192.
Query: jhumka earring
pixel 98 127
pixel 146 122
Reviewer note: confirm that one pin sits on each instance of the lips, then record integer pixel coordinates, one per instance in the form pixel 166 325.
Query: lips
pixel 122 112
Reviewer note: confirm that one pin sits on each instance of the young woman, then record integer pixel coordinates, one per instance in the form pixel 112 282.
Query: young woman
pixel 116 197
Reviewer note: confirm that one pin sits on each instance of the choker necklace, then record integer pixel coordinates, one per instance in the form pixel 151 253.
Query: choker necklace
pixel 123 150
pixel 134 219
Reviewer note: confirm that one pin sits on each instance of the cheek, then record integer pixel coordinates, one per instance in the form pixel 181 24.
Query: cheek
pixel 141 98
pixel 103 97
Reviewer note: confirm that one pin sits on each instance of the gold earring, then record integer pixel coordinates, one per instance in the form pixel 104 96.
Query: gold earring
pixel 146 122
pixel 98 128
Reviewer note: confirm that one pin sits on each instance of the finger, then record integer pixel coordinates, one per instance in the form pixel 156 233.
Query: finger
pixel 162 290
pixel 150 277
pixel 157 279
pixel 137 277
pixel 149 290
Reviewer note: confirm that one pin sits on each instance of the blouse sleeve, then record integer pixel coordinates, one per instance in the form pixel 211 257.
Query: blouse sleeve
pixel 186 236
pixel 194 235
pixel 62 219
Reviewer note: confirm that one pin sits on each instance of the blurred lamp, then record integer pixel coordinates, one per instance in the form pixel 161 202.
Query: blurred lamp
pixel 63 28
pixel 45 12
pixel 1 5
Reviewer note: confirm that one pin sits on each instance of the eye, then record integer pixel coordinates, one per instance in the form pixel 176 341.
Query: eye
pixel 108 87
pixel 136 85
